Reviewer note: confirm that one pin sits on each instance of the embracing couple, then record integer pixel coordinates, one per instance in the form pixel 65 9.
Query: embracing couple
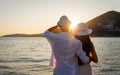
pixel 71 55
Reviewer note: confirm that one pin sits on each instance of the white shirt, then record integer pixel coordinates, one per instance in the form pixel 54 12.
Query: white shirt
pixel 65 49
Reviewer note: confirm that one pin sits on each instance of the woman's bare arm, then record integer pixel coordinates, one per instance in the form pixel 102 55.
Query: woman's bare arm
pixel 93 55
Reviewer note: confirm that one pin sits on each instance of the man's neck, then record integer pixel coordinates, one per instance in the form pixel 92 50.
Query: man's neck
pixel 65 31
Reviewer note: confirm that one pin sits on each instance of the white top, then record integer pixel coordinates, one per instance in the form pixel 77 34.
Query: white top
pixel 65 49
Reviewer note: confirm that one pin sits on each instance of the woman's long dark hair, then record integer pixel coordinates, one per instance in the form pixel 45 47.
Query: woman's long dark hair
pixel 86 44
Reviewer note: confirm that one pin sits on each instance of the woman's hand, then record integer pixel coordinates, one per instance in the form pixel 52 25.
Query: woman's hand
pixel 90 55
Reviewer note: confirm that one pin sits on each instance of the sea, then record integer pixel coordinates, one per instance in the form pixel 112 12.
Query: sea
pixel 30 56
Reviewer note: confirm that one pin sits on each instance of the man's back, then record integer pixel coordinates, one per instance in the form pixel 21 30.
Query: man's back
pixel 64 52
pixel 64 48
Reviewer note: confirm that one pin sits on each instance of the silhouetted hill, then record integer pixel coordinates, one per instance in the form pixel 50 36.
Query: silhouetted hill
pixel 107 24
pixel 24 35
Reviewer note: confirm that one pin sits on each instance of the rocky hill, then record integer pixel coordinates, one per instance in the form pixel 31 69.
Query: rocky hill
pixel 107 24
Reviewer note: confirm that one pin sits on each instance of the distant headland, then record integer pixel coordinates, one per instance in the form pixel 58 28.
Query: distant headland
pixel 24 35
pixel 105 25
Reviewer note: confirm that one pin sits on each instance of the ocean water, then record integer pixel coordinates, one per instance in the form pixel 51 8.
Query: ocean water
pixel 30 56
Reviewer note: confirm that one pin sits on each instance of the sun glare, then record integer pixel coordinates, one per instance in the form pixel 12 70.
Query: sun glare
pixel 74 23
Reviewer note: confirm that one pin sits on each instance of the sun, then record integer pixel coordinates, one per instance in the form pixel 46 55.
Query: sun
pixel 74 23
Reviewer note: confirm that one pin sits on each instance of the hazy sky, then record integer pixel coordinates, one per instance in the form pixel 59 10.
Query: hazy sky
pixel 35 16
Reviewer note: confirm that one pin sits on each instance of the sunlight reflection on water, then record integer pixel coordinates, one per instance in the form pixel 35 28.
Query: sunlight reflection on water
pixel 30 56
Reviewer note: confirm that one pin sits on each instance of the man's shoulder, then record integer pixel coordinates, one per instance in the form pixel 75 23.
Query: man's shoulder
pixel 76 40
pixel 65 35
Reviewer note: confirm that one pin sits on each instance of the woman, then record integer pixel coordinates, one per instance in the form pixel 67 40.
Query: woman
pixel 81 33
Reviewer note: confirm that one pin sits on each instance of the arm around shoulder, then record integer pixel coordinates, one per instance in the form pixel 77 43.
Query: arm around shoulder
pixel 82 55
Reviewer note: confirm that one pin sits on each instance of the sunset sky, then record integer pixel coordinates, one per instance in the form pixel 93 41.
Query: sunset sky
pixel 35 16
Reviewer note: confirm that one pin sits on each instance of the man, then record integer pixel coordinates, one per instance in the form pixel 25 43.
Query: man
pixel 65 48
